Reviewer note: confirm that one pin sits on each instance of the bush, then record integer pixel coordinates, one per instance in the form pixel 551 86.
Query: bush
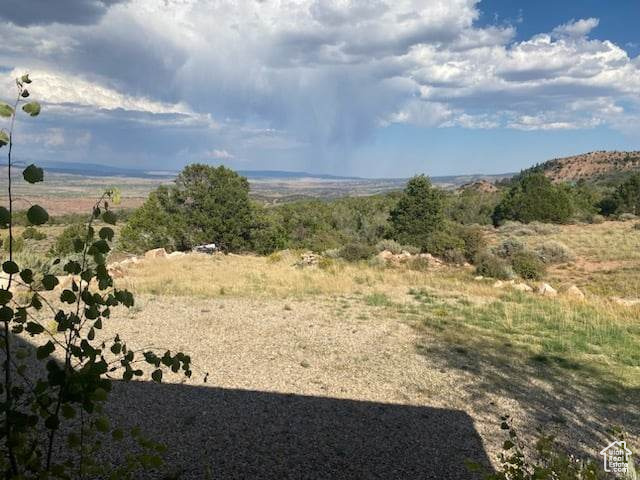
pixel 410 249
pixel 626 217
pixel 553 251
pixel 32 233
pixel 636 226
pixel 64 242
pixel 596 219
pixel 388 244
pixel 454 256
pixel 535 197
pixel 490 265
pixel 353 252
pixel 625 199
pixel 528 265
pixel 443 241
pixel 419 264
pixel 473 239
pixel 509 247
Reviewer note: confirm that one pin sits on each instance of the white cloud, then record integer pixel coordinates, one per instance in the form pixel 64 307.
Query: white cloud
pixel 576 28
pixel 220 155
pixel 321 74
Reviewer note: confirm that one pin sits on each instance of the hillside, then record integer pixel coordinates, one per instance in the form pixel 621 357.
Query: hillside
pixel 592 166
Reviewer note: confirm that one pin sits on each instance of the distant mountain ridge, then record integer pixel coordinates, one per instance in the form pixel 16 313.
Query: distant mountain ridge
pixel 591 166
pixel 99 170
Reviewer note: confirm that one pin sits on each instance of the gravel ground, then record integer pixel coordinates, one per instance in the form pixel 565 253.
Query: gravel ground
pixel 302 390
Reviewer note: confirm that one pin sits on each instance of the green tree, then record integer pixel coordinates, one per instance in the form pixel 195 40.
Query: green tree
pixel 534 198
pixel 626 197
pixel 419 213
pixel 206 205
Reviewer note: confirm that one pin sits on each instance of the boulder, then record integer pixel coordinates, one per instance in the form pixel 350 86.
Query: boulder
pixel 574 292
pixel 547 290
pixel 478 278
pixel 498 284
pixel 176 255
pixel 386 255
pixel 156 253
pixel 522 287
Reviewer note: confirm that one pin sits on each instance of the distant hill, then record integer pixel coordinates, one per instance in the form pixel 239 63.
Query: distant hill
pixel 480 186
pixel 99 170
pixel 592 166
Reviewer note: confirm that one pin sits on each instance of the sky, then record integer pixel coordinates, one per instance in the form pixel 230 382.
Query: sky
pixel 370 88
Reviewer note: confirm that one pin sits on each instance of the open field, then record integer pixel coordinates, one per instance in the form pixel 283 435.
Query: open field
pixel 438 338
pixel 435 352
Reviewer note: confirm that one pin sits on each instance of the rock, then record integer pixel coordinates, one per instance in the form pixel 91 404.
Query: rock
pixel 627 302
pixel 522 287
pixel 308 259
pixel 574 292
pixel 478 278
pixel 156 253
pixel 176 255
pixel 498 284
pixel 547 290
pixel 386 255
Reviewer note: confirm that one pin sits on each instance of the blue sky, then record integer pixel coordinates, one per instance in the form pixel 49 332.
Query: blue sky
pixel 354 87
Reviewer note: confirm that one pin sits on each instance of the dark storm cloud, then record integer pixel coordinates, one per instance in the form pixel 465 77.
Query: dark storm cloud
pixel 43 12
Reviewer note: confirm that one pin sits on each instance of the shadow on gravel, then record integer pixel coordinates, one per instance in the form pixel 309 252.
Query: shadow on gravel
pixel 239 434
pixel 216 433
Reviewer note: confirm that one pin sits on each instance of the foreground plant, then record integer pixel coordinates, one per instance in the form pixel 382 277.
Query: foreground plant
pixel 57 375
pixel 546 461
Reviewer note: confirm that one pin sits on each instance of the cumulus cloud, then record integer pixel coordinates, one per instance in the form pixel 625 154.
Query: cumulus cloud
pixel 316 77
pixel 576 28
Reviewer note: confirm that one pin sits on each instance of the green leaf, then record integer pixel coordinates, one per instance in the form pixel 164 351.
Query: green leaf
pixel 32 108
pixel 5 216
pixel 27 275
pixel 25 78
pixel 37 215
pixel 4 138
pixel 33 174
pixel 109 217
pixel 49 282
pixel 10 267
pixel 6 314
pixel 45 350
pixel 5 296
pixel 68 296
pixel 157 375
pixel 34 328
pixel 106 233
pixel 5 110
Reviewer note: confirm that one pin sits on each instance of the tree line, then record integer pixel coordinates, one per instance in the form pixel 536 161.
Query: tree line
pixel 212 205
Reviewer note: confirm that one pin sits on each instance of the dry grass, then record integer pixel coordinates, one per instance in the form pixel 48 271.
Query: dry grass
pixel 250 276
pixel 607 259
